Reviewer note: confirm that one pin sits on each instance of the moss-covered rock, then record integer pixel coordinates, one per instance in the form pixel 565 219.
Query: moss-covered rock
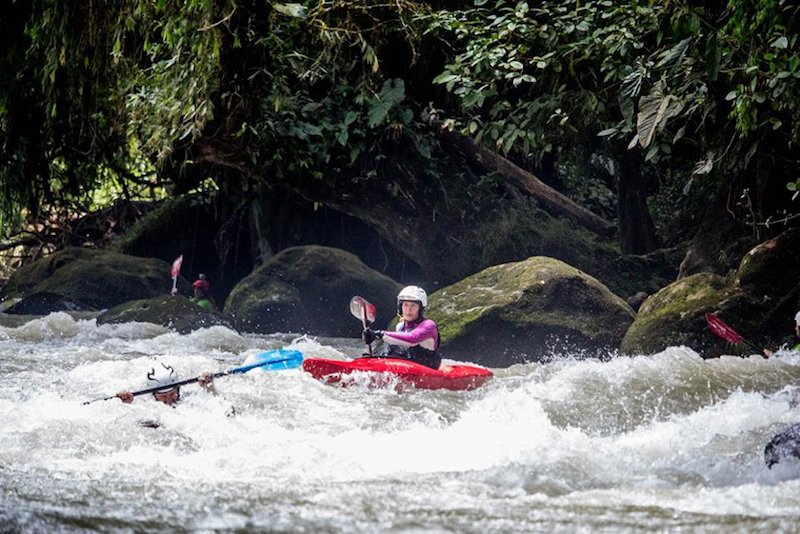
pixel 771 269
pixel 307 290
pixel 91 278
pixel 676 316
pixel 175 312
pixel 759 303
pixel 527 311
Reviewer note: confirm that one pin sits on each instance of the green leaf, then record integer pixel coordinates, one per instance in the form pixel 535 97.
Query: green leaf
pixel 655 110
pixel 392 93
pixel 674 54
pixel 607 132
pixel 780 43
pixel 445 77
pixel 733 94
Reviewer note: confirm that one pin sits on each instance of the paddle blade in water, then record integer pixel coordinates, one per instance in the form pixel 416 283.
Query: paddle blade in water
pixel 176 266
pixel 273 360
pixel 357 307
pixel 722 330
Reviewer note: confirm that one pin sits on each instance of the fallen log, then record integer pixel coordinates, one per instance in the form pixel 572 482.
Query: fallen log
pixel 551 200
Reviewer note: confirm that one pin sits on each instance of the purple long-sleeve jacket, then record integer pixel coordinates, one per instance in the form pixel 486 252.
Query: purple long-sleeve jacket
pixel 423 334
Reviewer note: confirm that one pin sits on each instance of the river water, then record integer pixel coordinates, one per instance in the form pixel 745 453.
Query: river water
pixel 663 443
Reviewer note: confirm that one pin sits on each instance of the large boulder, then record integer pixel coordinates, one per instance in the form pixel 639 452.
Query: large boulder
pixel 185 225
pixel 91 278
pixel 175 312
pixel 307 290
pixel 771 269
pixel 528 311
pixel 43 303
pixel 676 315
pixel 758 301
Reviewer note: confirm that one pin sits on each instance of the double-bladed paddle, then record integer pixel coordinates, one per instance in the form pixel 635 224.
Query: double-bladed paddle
pixel 727 333
pixel 273 360
pixel 364 312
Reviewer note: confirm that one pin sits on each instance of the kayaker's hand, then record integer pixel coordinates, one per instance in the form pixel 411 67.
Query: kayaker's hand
pixel 125 396
pixel 206 381
pixel 369 335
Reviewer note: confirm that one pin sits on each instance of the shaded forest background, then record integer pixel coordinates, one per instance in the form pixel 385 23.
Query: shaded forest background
pixel 412 133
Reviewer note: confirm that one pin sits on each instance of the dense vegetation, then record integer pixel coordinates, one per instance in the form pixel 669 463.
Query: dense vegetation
pixel 640 110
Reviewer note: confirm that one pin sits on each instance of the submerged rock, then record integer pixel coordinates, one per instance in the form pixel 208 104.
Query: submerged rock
pixel 43 303
pixel 95 278
pixel 308 289
pixel 783 445
pixel 527 311
pixel 174 312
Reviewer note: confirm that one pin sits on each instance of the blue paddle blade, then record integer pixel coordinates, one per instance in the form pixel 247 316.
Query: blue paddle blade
pixel 272 360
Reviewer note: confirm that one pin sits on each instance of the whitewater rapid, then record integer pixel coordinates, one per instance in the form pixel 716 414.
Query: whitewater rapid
pixel 669 442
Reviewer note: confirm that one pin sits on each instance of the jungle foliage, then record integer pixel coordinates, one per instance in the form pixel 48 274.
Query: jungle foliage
pixel 107 95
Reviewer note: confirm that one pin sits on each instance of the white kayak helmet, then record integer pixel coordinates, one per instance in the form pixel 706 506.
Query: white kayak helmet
pixel 414 293
pixel 164 375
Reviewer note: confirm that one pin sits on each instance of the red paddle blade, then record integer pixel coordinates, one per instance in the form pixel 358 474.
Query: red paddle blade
pixel 176 266
pixel 722 330
pixel 357 307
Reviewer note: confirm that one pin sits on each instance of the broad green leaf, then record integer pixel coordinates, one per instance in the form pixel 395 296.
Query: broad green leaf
pixel 655 110
pixel 780 43
pixel 445 77
pixel 674 55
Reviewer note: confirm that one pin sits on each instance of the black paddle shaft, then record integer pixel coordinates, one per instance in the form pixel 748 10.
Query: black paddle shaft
pixel 193 380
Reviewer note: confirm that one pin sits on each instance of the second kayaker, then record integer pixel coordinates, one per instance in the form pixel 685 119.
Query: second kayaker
pixel 163 374
pixel 416 338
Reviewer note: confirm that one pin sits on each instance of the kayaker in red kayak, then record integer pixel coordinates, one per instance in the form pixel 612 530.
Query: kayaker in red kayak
pixel 416 338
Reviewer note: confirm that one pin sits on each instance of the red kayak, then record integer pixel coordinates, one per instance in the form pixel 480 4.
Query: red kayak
pixel 385 372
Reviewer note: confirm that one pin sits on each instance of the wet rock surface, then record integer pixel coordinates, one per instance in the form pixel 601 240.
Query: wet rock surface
pixel 307 290
pixel 528 311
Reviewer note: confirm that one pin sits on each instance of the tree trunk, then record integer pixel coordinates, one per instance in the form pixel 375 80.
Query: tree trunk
pixel 637 234
pixel 551 200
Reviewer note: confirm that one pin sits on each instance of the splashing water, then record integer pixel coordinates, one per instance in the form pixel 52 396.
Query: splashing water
pixel 663 443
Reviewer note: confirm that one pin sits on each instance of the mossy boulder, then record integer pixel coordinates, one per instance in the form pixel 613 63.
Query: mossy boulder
pixel 91 278
pixel 676 315
pixel 771 269
pixel 174 312
pixel 528 311
pixel 308 290
pixel 758 302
